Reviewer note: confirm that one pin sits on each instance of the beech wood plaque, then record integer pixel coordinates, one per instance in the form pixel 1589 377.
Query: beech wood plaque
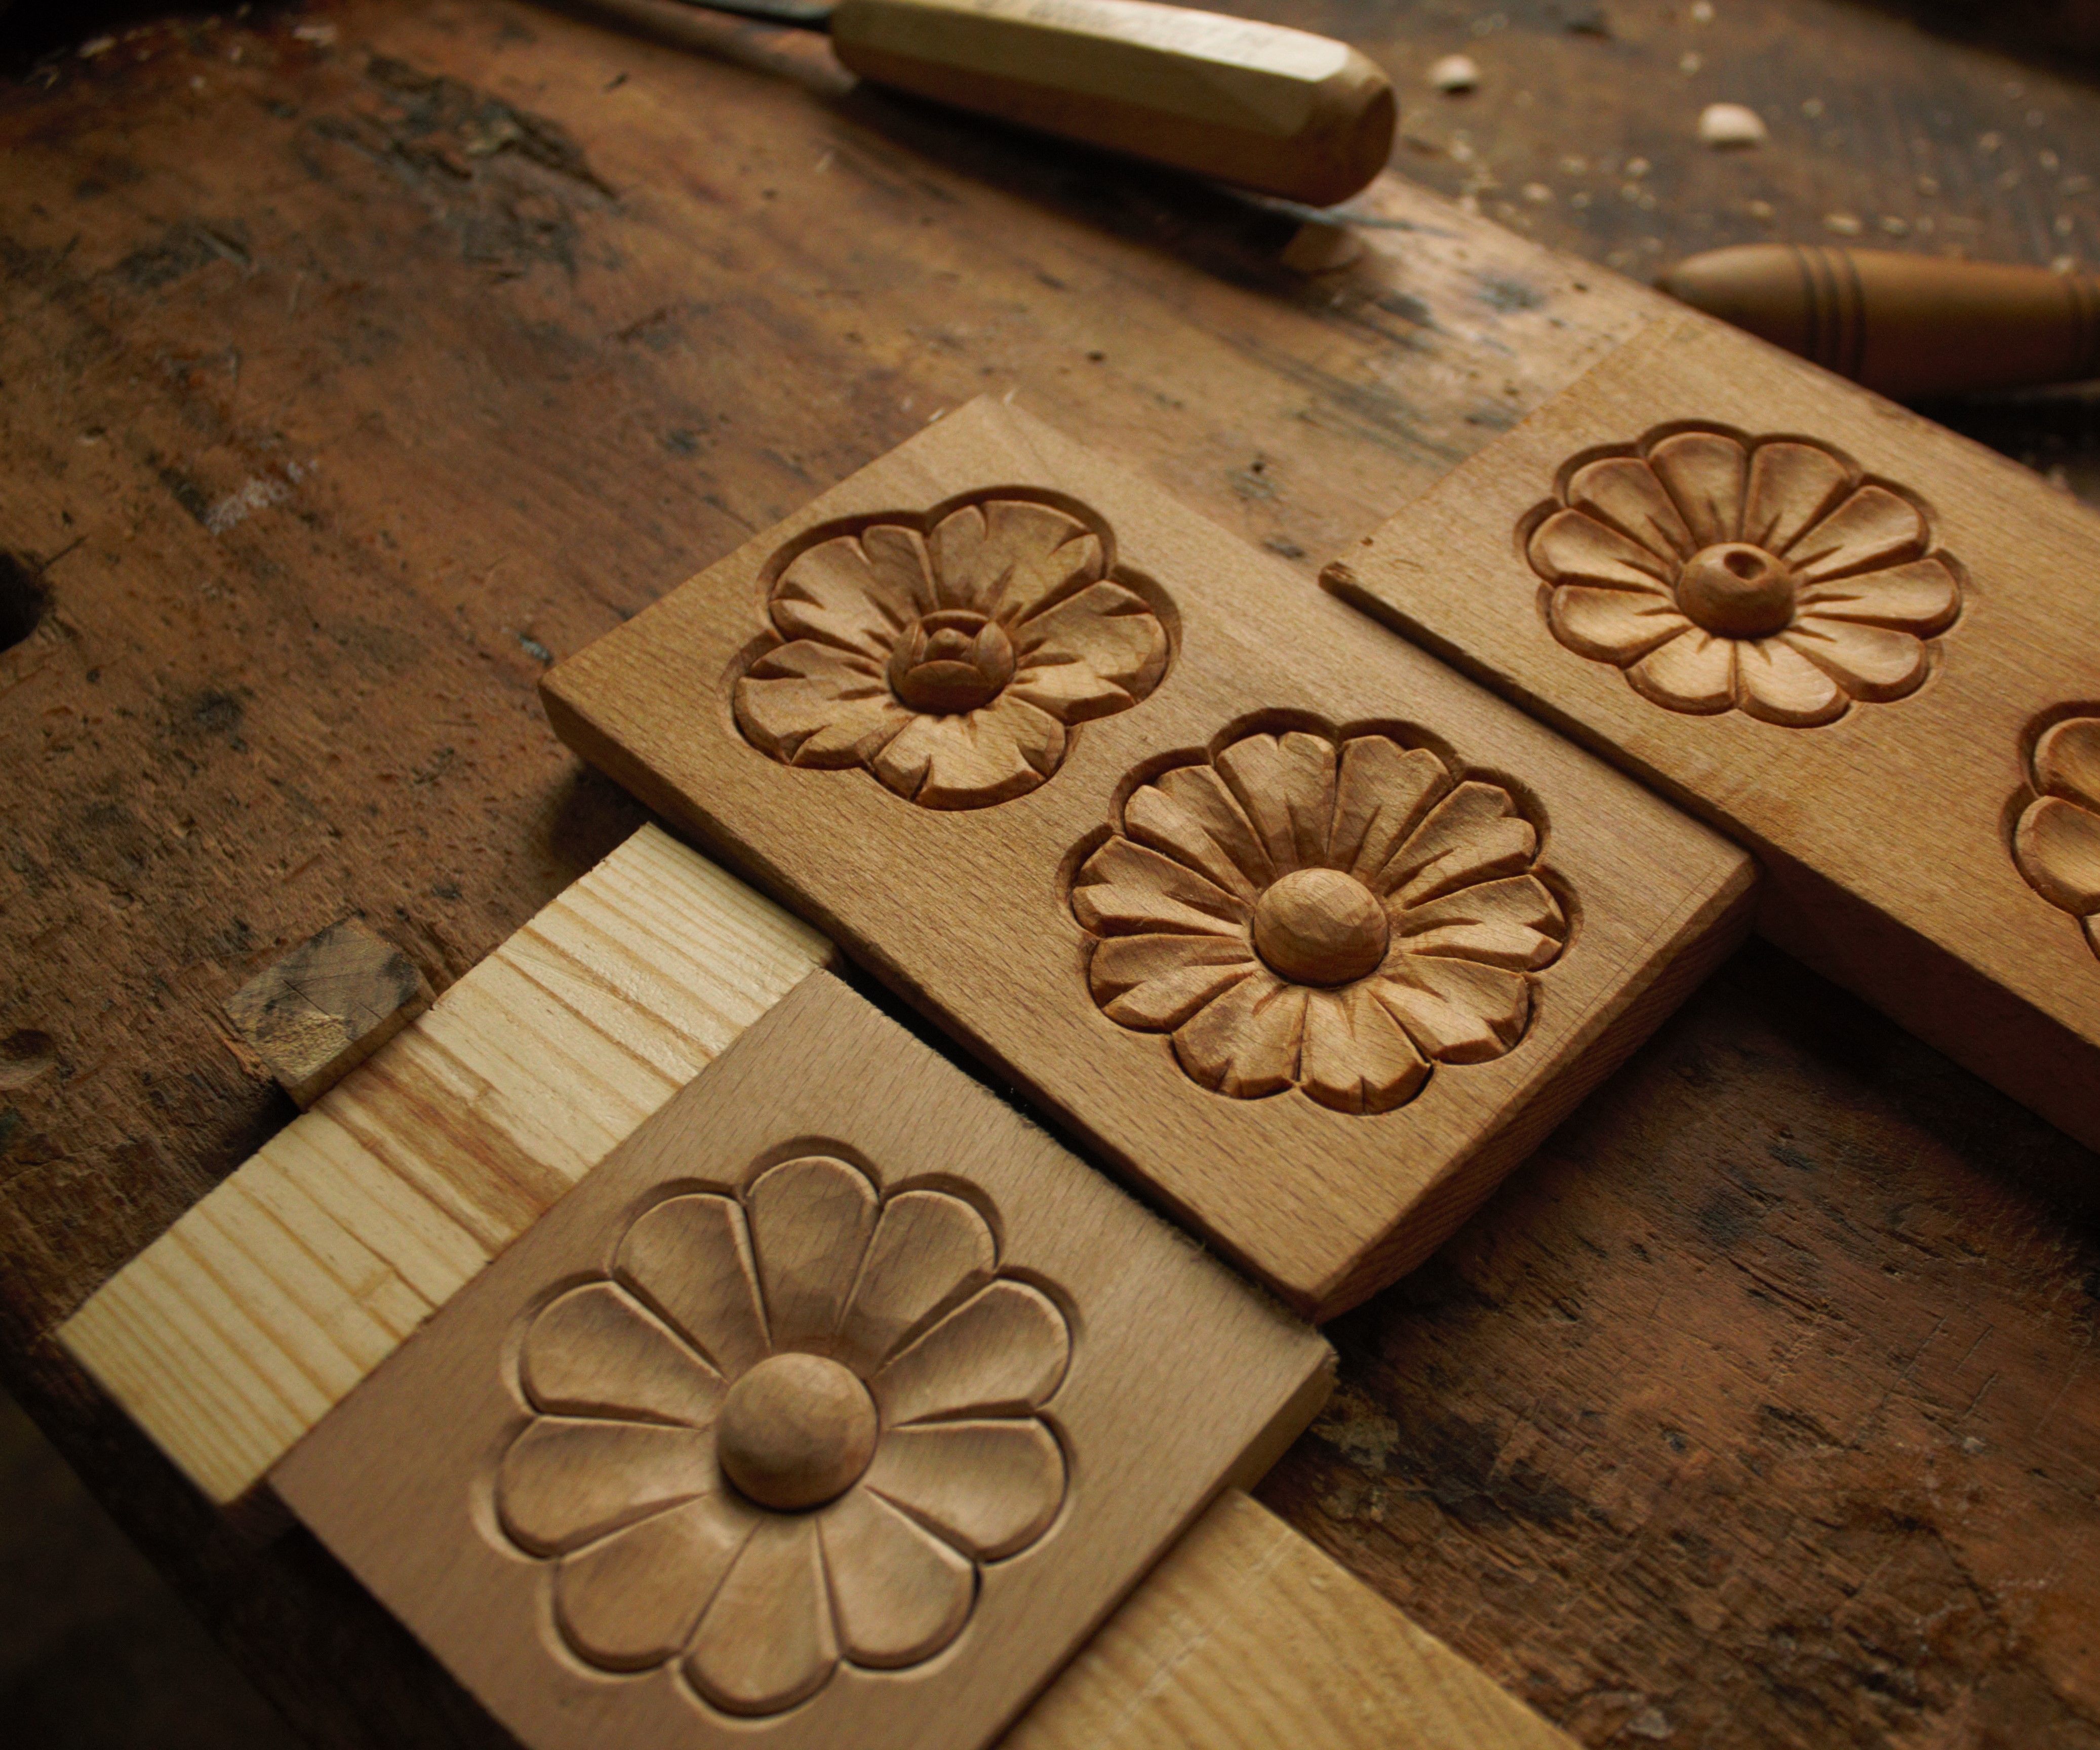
pixel 1864 646
pixel 836 1406
pixel 1307 934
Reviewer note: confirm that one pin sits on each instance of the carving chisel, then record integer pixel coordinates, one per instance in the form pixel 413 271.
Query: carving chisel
pixel 1282 111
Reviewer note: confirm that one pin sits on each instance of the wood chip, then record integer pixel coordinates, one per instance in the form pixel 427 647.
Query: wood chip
pixel 327 1006
pixel 1722 125
pixel 1454 73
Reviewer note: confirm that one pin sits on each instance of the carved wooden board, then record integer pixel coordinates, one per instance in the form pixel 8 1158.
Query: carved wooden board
pixel 233 1333
pixel 838 1405
pixel 1862 644
pixel 1311 936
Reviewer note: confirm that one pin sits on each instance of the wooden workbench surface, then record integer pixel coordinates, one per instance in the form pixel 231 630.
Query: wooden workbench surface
pixel 359 360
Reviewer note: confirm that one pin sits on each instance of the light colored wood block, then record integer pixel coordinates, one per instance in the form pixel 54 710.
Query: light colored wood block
pixel 1247 1636
pixel 232 1334
pixel 838 1406
pixel 327 1006
pixel 968 711
pixel 1861 645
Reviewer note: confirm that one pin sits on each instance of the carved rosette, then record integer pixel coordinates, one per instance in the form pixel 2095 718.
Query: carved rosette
pixel 954 665
pixel 2057 842
pixel 784 1434
pixel 1337 918
pixel 1767 577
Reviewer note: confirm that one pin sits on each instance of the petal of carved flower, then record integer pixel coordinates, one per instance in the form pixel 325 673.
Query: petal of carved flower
pixel 810 1222
pixel 1623 492
pixel 1515 923
pixel 989 1487
pixel 1868 662
pixel 1190 814
pixel 631 1600
pixel 1704 473
pixel 1125 888
pixel 1154 983
pixel 690 1260
pixel 1791 487
pixel 567 1480
pixel 1459 1012
pixel 1285 785
pixel 1571 548
pixel 1870 531
pixel 929 1249
pixel 1381 794
pixel 2057 844
pixel 1695 671
pixel 1614 625
pixel 1009 558
pixel 974 758
pixel 1357 1057
pixel 596 1351
pixel 856 594
pixel 1475 834
pixel 1245 1043
pixel 1099 651
pixel 809 704
pixel 1001 1352
pixel 766 1643
pixel 900 1593
pixel 2066 761
pixel 1921 598
pixel 1779 685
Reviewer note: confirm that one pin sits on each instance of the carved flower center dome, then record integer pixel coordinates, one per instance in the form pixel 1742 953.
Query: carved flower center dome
pixel 796 1432
pixel 1734 590
pixel 1319 927
pixel 957 660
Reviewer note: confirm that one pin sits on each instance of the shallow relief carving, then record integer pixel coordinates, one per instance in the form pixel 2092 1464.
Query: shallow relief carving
pixel 953 657
pixel 784 1436
pixel 1339 914
pixel 2056 841
pixel 1767 575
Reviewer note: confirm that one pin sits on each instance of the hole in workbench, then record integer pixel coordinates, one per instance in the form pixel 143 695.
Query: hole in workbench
pixel 24 599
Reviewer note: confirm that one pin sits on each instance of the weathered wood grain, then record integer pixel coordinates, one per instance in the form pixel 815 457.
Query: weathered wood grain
pixel 1245 1636
pixel 327 1006
pixel 237 1330
pixel 1052 1383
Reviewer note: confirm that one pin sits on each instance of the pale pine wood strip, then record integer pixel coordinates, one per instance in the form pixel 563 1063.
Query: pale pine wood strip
pixel 233 1333
pixel 1247 1636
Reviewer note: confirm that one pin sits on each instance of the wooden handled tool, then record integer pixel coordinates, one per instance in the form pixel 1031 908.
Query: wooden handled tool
pixel 1280 111
pixel 1909 326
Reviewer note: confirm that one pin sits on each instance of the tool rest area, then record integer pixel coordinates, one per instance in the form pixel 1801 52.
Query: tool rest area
pixel 363 359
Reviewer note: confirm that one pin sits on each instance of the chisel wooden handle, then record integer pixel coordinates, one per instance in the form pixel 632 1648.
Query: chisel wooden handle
pixel 1278 110
pixel 1907 325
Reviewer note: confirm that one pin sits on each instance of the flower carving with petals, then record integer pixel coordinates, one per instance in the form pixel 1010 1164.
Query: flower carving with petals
pixel 1335 918
pixel 954 665
pixel 2057 842
pixel 1767 576
pixel 783 1435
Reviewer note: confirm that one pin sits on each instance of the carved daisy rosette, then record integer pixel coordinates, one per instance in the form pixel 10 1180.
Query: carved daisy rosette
pixel 1334 914
pixel 1762 576
pixel 2056 841
pixel 785 1433
pixel 955 664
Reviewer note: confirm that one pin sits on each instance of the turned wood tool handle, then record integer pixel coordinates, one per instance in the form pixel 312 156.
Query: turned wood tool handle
pixel 1266 108
pixel 1907 325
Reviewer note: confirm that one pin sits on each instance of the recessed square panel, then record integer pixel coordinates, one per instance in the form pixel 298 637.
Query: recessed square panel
pixel 836 1407
pixel 1301 930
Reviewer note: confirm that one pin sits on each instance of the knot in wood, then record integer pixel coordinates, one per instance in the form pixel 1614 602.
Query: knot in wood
pixel 796 1432
pixel 1736 590
pixel 1319 927
pixel 952 661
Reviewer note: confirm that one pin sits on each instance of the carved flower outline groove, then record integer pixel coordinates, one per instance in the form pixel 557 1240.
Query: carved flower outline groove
pixel 1767 576
pixel 956 665
pixel 1336 918
pixel 784 1434
pixel 2056 841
